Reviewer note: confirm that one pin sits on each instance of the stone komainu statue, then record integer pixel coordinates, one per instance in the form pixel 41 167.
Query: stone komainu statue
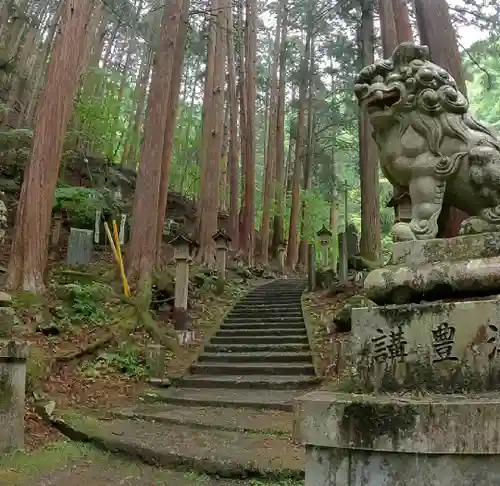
pixel 429 143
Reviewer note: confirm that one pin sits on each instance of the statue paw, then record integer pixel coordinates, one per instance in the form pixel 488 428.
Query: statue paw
pixel 475 225
pixel 402 232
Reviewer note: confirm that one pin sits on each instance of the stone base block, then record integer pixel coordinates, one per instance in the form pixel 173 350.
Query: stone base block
pixel 421 252
pixel 369 440
pixel 438 347
pixel 13 357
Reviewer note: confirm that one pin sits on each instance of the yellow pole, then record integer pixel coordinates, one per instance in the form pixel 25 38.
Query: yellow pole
pixel 126 289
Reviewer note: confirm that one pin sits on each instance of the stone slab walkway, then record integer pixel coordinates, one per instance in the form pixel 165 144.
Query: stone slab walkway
pixel 217 452
pixel 90 467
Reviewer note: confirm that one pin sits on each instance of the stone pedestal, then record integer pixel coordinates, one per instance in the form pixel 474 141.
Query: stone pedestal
pixel 438 269
pixel 281 259
pixel 366 440
pixel 13 357
pixel 221 257
pixel 155 357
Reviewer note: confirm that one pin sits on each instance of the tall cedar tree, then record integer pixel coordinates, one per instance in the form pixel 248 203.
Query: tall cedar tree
pixel 270 163
pixel 279 201
pixel 388 30
pixel 292 254
pixel 173 102
pixel 437 32
pixel 142 251
pixel 28 258
pixel 233 168
pixel 213 129
pixel 370 244
pixel 402 21
pixel 247 236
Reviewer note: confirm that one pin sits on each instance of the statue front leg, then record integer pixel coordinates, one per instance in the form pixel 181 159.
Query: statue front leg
pixel 427 195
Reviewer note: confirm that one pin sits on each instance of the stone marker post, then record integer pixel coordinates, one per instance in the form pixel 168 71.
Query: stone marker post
pixel 281 257
pixel 155 358
pixel 13 357
pixel 222 240
pixel 80 246
pixel 183 248
pixel 324 235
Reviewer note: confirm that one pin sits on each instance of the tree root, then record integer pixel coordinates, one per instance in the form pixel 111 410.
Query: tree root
pixel 90 348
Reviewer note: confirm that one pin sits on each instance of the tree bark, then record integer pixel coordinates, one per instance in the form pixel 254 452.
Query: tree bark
pixel 388 30
pixel 234 230
pixel 248 233
pixel 437 32
pixel 28 258
pixel 270 161
pixel 279 195
pixel 213 130
pixel 175 89
pixel 402 21
pixel 293 235
pixel 370 244
pixel 143 240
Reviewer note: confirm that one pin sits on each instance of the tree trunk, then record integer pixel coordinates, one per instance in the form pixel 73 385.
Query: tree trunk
pixel 279 195
pixel 234 229
pixel 28 258
pixel 143 240
pixel 270 161
pixel 175 89
pixel 370 245
pixel 213 128
pixel 437 32
pixel 293 235
pixel 402 21
pixel 248 233
pixel 388 30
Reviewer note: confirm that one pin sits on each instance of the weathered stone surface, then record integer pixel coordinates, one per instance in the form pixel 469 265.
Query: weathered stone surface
pixel 80 245
pixel 12 391
pixel 434 281
pixel 156 360
pixel 444 347
pixel 420 252
pixel 366 440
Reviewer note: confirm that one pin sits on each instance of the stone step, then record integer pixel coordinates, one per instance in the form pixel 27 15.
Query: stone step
pixel 280 339
pixel 244 382
pixel 222 396
pixel 278 296
pixel 265 368
pixel 218 452
pixel 274 299
pixel 268 331
pixel 251 348
pixel 261 325
pixel 237 313
pixel 252 318
pixel 269 305
pixel 255 357
pixel 241 419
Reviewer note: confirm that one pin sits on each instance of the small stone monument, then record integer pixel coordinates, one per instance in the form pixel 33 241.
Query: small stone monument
pixel 183 247
pixel 281 257
pixel 80 246
pixel 3 217
pixel 324 235
pixel 156 361
pixel 222 240
pixel 13 356
pixel 417 401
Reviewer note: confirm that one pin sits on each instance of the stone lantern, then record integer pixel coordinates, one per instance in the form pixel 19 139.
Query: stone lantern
pixel 402 207
pixel 281 256
pixel 222 240
pixel 324 235
pixel 183 248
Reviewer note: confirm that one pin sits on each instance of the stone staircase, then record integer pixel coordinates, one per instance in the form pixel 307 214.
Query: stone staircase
pixel 231 414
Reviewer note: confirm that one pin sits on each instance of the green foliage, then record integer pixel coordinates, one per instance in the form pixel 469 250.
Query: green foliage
pixel 81 203
pixel 127 359
pixel 86 303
